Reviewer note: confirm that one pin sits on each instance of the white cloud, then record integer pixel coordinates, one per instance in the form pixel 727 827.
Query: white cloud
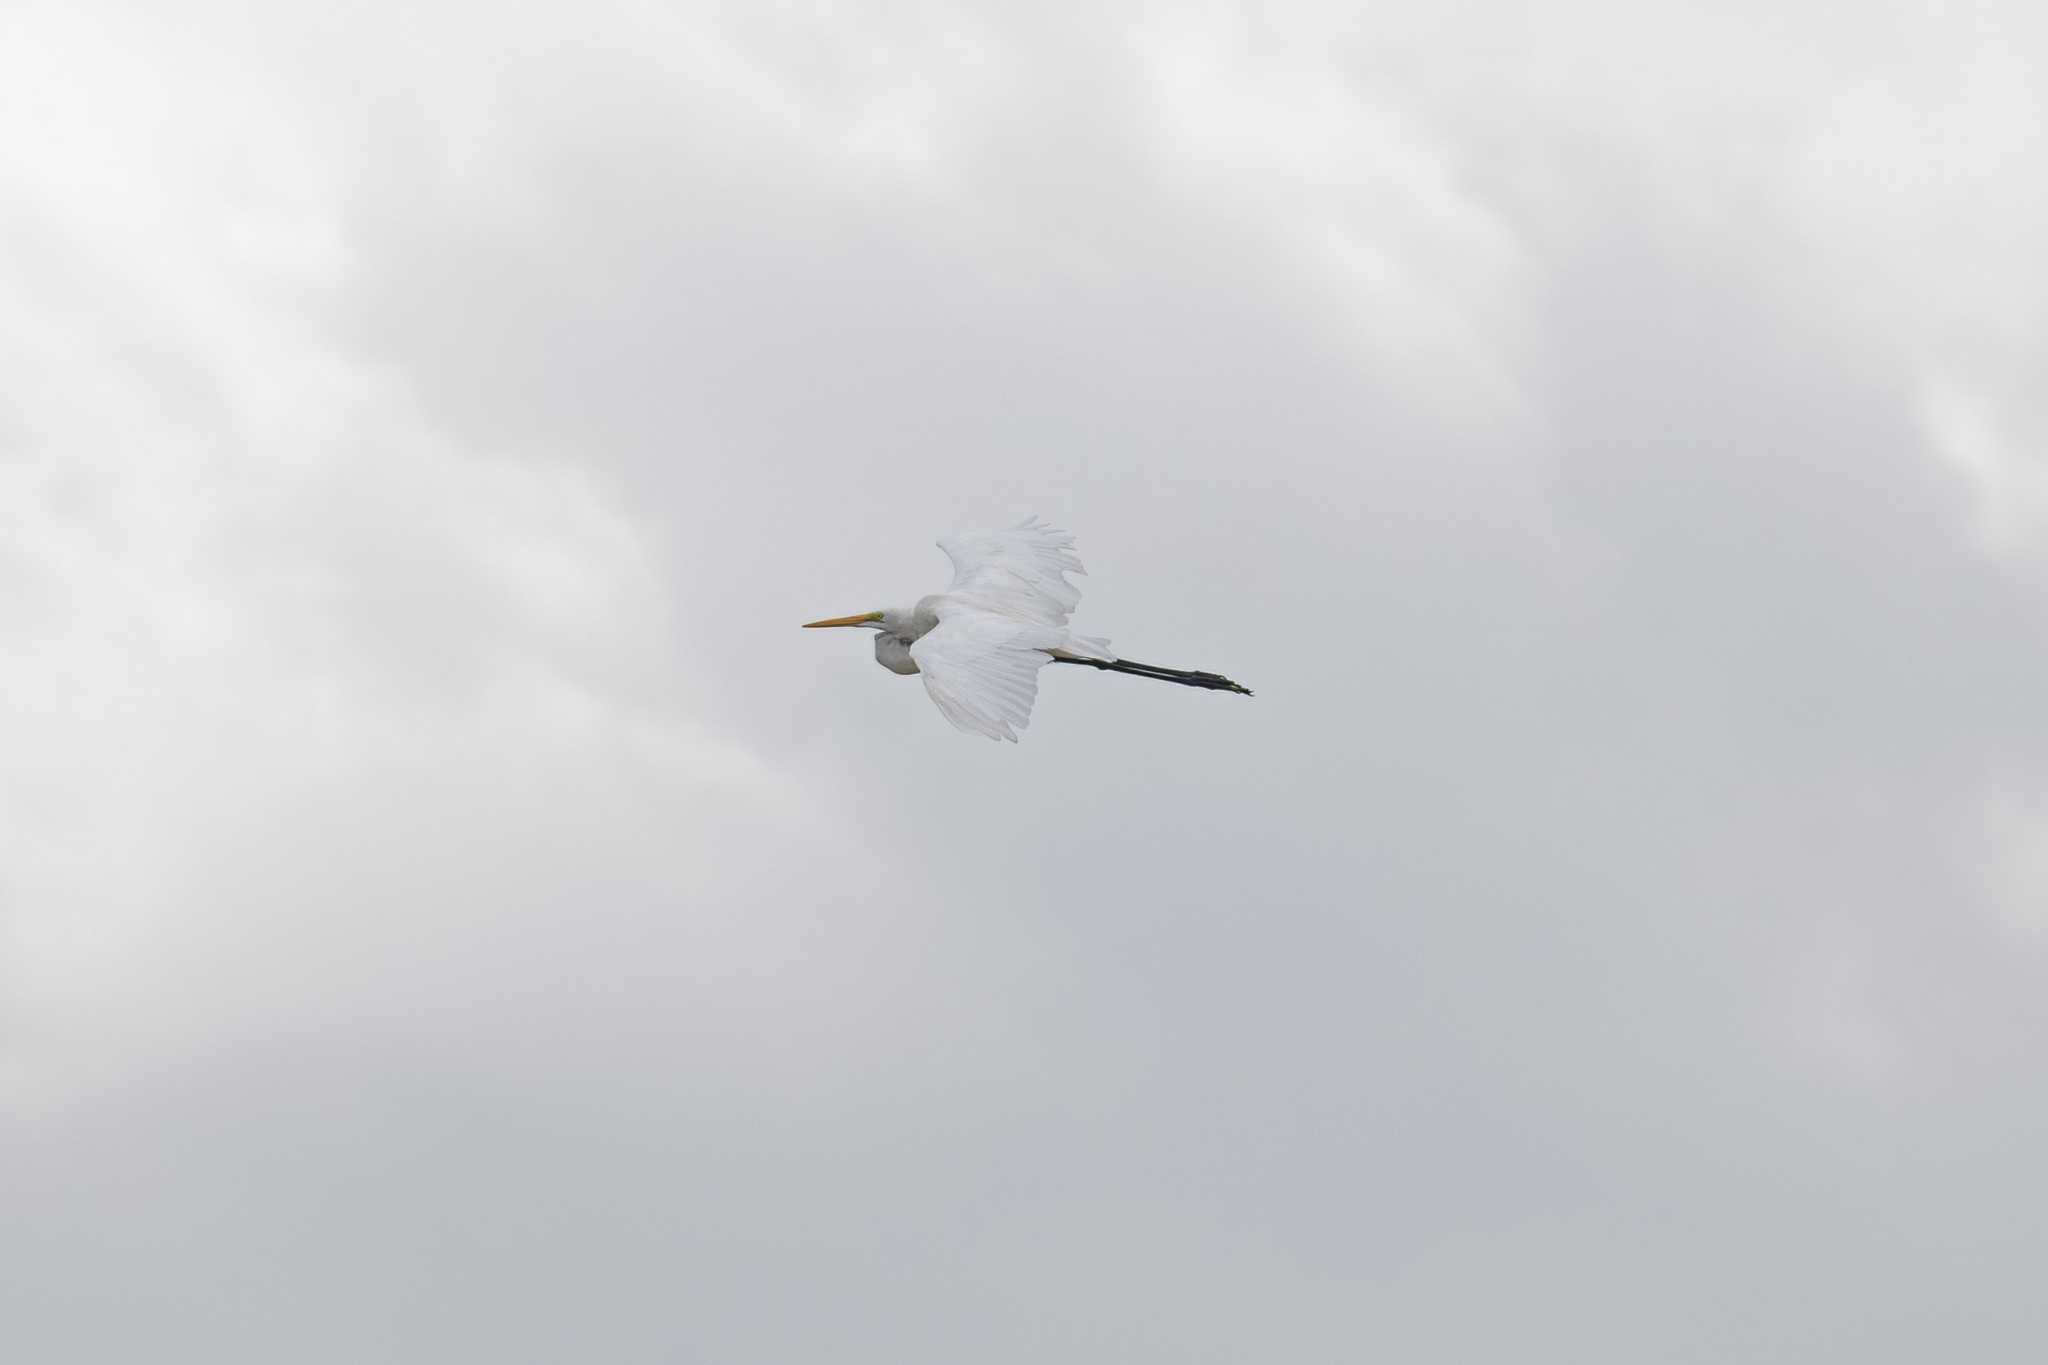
pixel 1365 198
pixel 2009 484
pixel 238 559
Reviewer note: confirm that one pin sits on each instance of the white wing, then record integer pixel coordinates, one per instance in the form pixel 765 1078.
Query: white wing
pixel 981 669
pixel 1019 572
pixel 1007 608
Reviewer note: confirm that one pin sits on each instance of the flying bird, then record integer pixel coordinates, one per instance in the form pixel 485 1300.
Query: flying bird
pixel 979 644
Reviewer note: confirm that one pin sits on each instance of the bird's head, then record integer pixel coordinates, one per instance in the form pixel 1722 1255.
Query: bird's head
pixel 866 618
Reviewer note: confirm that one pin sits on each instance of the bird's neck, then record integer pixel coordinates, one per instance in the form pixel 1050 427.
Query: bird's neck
pixel 910 624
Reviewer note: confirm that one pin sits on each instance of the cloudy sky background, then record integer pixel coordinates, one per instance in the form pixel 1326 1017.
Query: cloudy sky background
pixel 448 912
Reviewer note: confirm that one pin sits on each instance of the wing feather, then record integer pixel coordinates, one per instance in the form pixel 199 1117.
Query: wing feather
pixel 981 670
pixel 1018 572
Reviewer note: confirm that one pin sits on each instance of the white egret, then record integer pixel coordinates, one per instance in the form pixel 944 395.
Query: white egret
pixel 979 644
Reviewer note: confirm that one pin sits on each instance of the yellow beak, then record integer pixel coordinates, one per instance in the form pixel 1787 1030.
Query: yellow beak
pixel 863 619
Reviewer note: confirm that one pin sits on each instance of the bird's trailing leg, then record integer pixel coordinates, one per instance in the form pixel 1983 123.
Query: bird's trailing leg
pixel 1215 682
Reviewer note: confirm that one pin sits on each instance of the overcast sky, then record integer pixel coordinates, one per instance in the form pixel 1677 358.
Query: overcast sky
pixel 448 911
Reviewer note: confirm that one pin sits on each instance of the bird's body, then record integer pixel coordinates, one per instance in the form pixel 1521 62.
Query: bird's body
pixel 979 645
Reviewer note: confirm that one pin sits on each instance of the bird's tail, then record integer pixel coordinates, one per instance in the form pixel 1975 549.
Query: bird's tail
pixel 1215 682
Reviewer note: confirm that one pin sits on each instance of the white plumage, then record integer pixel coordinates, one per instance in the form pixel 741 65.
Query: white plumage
pixel 981 669
pixel 998 624
pixel 980 644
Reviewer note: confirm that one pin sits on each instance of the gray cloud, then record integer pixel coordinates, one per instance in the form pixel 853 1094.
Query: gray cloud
pixel 453 914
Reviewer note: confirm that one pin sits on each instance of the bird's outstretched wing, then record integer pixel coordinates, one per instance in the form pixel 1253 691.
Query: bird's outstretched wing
pixel 981 669
pixel 1007 608
pixel 1019 572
